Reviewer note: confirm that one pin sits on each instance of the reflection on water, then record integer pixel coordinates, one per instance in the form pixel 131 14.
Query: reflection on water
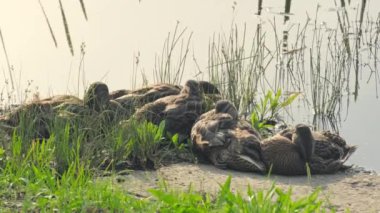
pixel 328 52
pixel 338 59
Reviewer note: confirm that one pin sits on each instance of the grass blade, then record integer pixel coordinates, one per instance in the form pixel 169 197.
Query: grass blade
pixel 48 23
pixel 83 9
pixel 6 57
pixel 68 37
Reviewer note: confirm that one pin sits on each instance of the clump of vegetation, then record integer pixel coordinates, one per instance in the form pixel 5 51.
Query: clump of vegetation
pixel 28 182
pixel 272 200
pixel 236 67
pixel 146 145
pixel 266 111
pixel 166 69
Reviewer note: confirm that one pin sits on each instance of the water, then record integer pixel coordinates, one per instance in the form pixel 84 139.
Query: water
pixel 361 128
pixel 118 32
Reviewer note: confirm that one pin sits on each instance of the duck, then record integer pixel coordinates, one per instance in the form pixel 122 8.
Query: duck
pixel 131 100
pixel 37 114
pixel 179 111
pixel 329 147
pixel 137 98
pixel 119 93
pixel 97 100
pixel 285 156
pixel 156 91
pixel 226 140
pixel 97 96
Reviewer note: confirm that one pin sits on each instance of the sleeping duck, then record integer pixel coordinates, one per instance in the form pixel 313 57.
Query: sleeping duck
pixel 131 100
pixel 286 156
pixel 227 141
pixel 329 147
pixel 36 115
pixel 179 111
pixel 288 153
pixel 97 100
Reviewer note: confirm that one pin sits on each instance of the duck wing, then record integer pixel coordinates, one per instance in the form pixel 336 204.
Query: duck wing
pixel 212 131
pixel 153 112
pixel 246 126
pixel 338 141
pixel 288 133
pixel 330 146
pixel 159 91
pixel 319 165
pixel 245 151
pixel 281 156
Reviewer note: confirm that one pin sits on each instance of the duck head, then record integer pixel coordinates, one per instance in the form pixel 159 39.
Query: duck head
pixel 97 96
pixel 303 138
pixel 208 88
pixel 225 106
pixel 191 88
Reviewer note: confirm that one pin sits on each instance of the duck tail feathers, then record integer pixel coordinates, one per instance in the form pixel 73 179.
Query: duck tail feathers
pixel 259 166
pixel 350 151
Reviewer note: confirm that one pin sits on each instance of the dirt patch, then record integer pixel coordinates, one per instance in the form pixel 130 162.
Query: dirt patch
pixel 358 191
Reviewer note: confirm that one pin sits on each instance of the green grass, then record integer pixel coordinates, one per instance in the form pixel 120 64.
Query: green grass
pixel 57 174
pixel 29 183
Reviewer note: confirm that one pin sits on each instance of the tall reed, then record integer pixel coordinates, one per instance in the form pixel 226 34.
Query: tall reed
pixel 166 69
pixel 235 67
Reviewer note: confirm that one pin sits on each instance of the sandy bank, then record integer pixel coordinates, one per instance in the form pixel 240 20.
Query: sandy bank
pixel 357 190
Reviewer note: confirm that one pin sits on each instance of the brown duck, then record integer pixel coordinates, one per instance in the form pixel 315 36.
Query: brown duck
pixel 288 152
pixel 156 91
pixel 329 147
pixel 138 98
pixel 119 93
pixel 179 111
pixel 131 100
pixel 286 156
pixel 37 114
pixel 97 99
pixel 42 112
pixel 227 141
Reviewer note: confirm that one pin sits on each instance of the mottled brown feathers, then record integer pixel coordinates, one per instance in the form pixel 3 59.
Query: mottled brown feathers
pixel 226 140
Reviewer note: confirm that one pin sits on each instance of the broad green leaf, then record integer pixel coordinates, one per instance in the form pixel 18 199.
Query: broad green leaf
pixel 175 139
pixel 290 99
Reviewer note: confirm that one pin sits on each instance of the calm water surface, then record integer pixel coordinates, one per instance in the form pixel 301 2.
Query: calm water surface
pixel 118 31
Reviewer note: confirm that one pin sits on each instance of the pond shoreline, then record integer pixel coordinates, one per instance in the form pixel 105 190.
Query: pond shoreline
pixel 356 189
